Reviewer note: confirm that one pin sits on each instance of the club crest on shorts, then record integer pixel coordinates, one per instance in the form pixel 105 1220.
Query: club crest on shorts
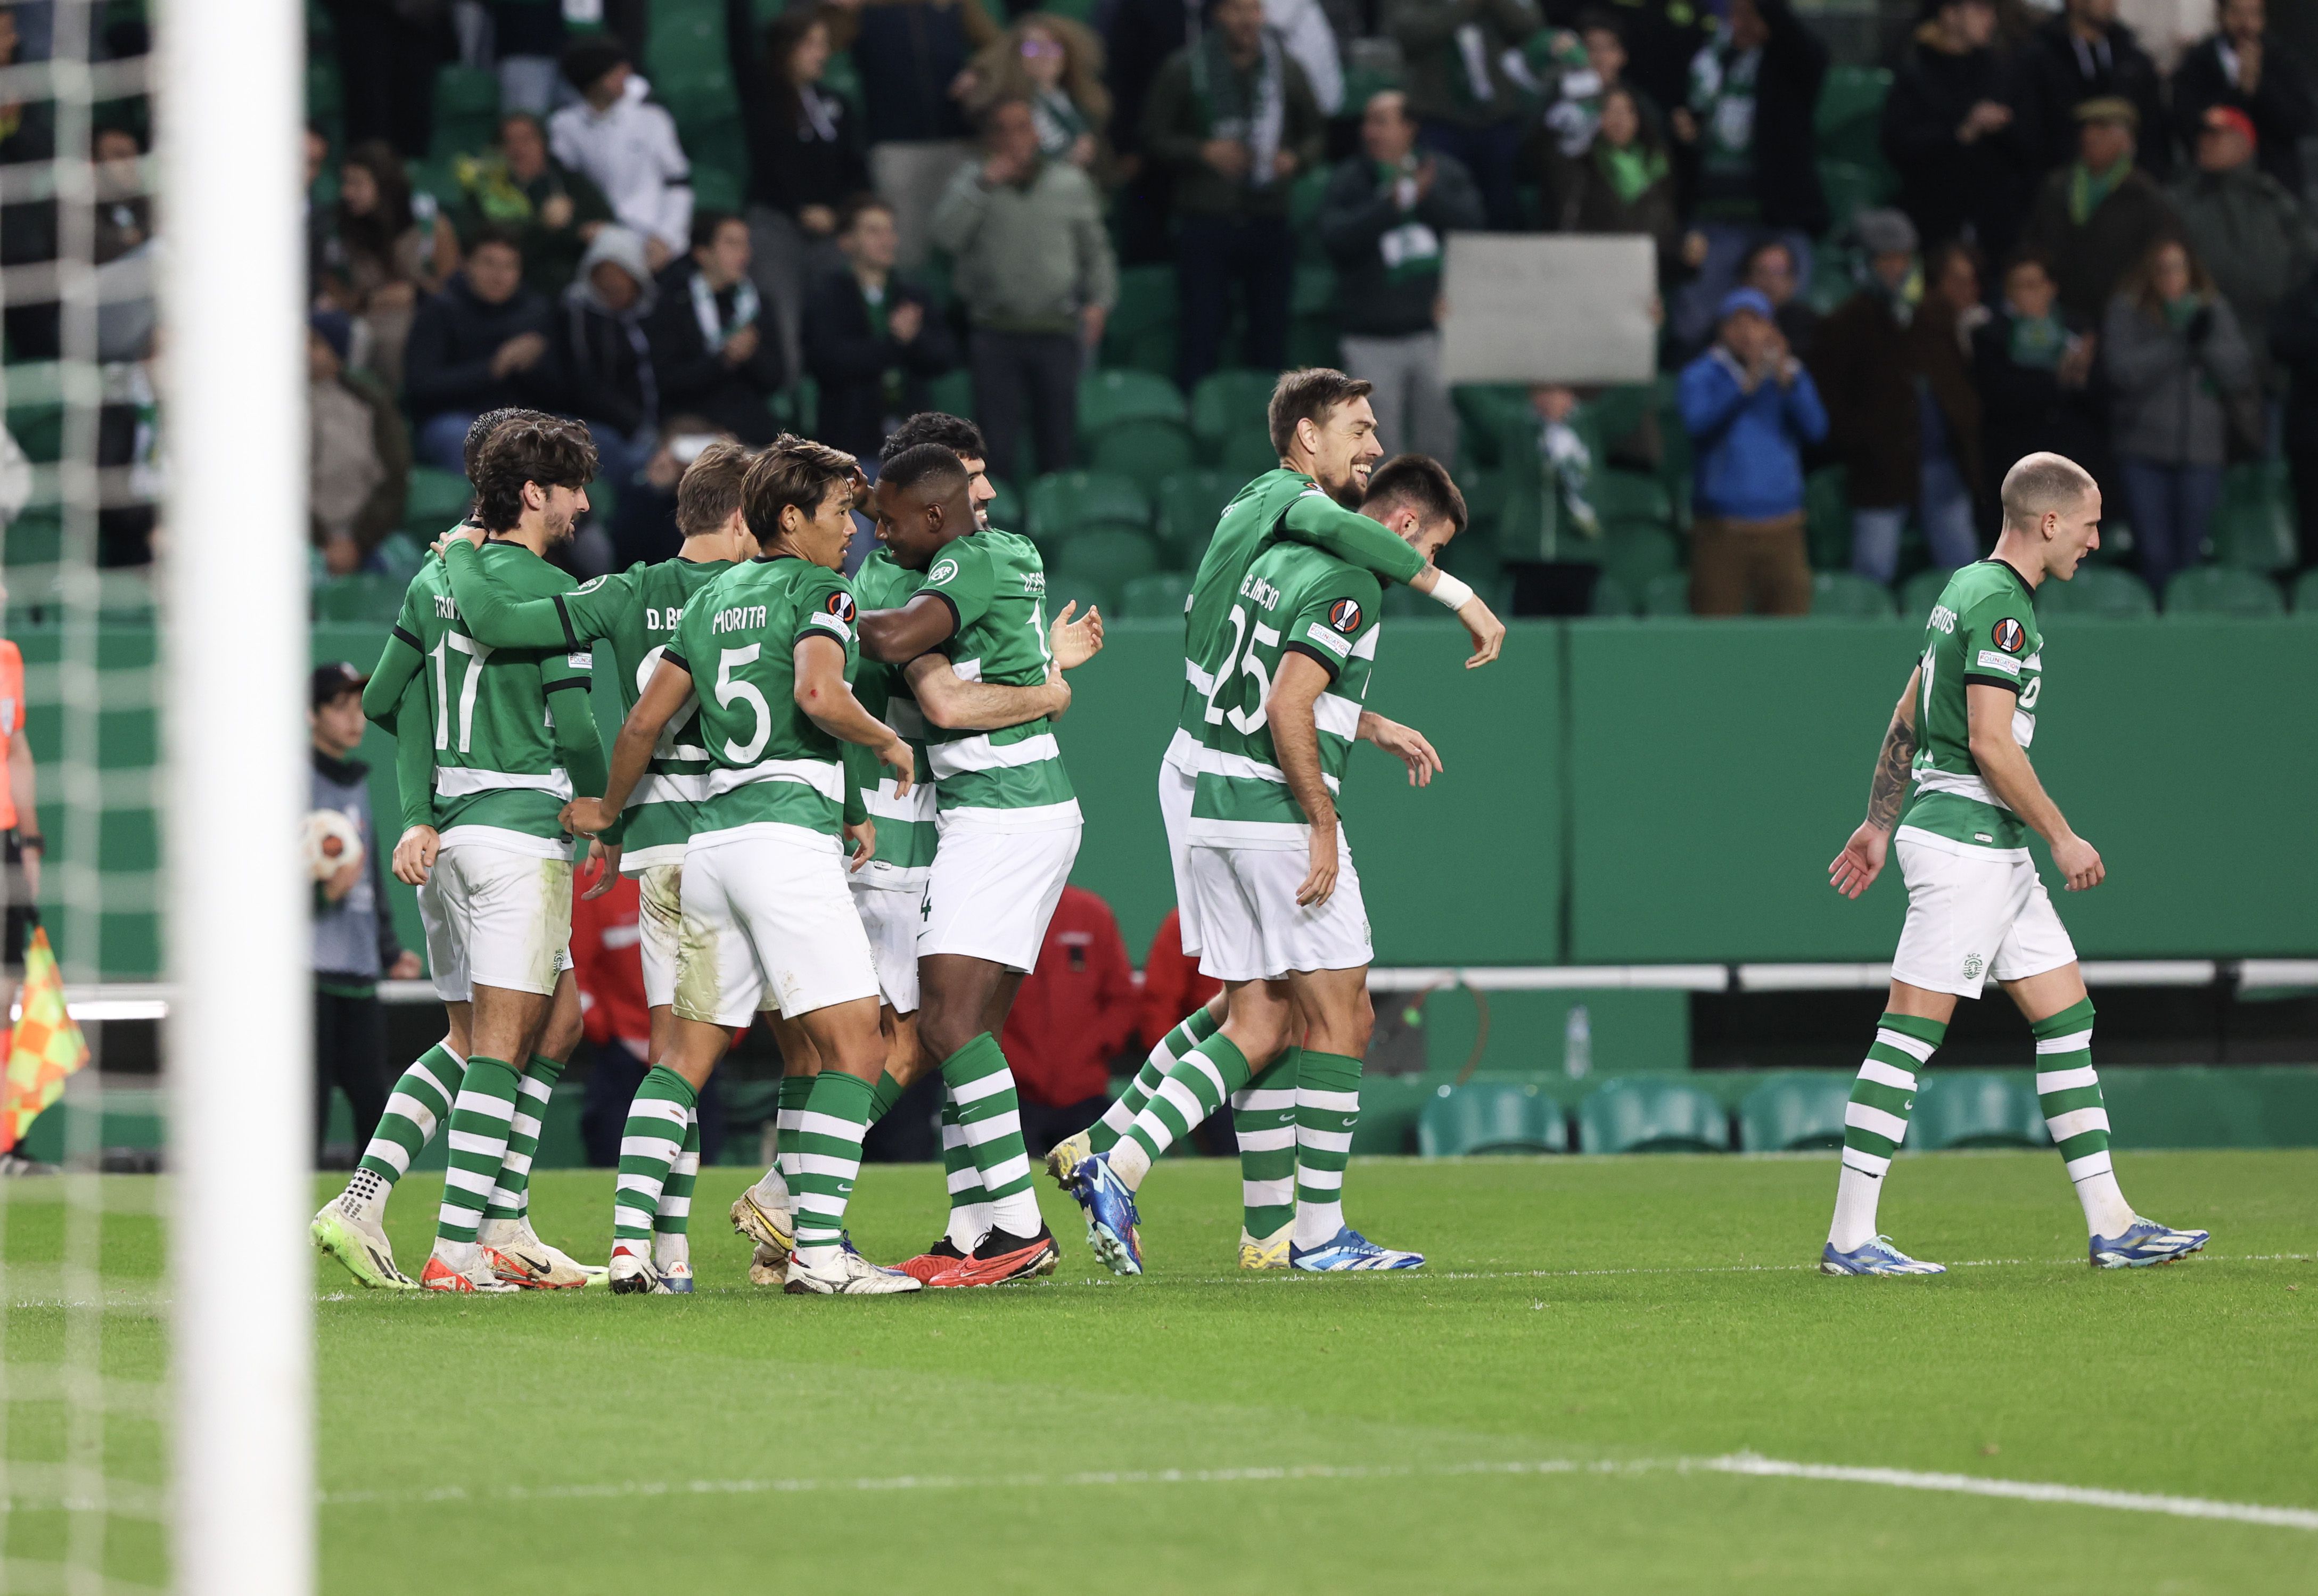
pixel 2009 635
pixel 1972 966
pixel 840 605
pixel 1344 615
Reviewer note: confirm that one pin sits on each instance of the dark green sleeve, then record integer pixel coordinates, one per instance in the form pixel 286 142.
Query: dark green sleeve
pixel 414 754
pixel 1317 519
pixel 497 617
pixel 577 741
pixel 860 772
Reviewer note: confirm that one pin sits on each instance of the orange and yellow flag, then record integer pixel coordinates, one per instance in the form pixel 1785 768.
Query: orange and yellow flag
pixel 45 1047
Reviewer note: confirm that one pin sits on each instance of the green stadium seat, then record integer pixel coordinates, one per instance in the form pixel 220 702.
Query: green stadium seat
pixel 36 537
pixel 1667 595
pixel 1230 406
pixel 1485 492
pixel 2305 596
pixel 1248 453
pixel 1190 502
pixel 2222 590
pixel 952 391
pixel 1850 110
pixel 1490 1117
pixel 1921 591
pixel 1104 554
pixel 1005 510
pixel 1791 1113
pixel 1149 450
pixel 1497 419
pixel 2254 533
pixel 1631 497
pixel 1971 1109
pixel 1851 188
pixel 1634 554
pixel 359 598
pixel 1843 593
pixel 1611 598
pixel 1089 593
pixel 466 109
pixel 325 98
pixel 1141 331
pixel 1159 597
pixel 1644 1115
pixel 2097 590
pixel 1065 504
pixel 716 187
pixel 437 501
pixel 1109 398
pixel 1827 517
pixel 39 430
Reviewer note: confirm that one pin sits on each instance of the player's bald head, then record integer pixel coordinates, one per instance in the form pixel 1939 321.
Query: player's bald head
pixel 2043 484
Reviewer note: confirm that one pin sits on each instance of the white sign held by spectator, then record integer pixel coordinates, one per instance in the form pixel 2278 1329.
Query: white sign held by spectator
pixel 1557 308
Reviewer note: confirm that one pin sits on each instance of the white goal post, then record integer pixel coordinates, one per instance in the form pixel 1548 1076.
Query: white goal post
pixel 228 99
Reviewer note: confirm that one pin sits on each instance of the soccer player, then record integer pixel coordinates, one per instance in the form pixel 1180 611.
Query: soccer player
pixel 636 613
pixel 1282 924
pixel 491 860
pixel 1008 826
pixel 764 650
pixel 1325 432
pixel 1975 907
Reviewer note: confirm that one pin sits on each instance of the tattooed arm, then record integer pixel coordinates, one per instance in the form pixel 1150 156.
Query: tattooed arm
pixel 1854 870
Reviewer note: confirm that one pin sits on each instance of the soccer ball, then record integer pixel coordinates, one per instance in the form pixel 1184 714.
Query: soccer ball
pixel 333 842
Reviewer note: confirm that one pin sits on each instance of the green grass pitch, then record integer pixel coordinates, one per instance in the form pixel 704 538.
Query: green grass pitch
pixel 1514 1417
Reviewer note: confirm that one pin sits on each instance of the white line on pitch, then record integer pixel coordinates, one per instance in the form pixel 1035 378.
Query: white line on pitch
pixel 1740 1463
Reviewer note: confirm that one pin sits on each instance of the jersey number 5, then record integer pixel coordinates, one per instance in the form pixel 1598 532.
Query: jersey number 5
pixel 728 691
pixel 1239 660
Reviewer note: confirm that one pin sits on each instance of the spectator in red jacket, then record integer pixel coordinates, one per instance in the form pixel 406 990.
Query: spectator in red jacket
pixel 1172 985
pixel 608 961
pixel 1075 1013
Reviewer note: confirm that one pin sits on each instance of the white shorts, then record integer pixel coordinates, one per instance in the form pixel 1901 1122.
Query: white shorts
pixel 659 927
pixel 1973 913
pixel 990 893
pixel 1254 927
pixel 494 918
pixel 1177 782
pixel 768 923
pixel 889 916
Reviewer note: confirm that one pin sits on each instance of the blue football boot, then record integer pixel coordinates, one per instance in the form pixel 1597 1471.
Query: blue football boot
pixel 1349 1249
pixel 1877 1257
pixel 2146 1242
pixel 1110 1215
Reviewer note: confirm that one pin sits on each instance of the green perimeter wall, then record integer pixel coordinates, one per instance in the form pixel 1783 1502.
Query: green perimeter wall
pixel 1616 792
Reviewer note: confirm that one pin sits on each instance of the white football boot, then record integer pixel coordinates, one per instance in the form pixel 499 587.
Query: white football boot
pixel 847 1274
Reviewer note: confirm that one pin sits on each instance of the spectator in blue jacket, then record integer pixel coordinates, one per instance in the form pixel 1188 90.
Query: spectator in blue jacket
pixel 1750 409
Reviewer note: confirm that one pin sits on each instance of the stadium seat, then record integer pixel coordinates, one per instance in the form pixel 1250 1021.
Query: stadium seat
pixel 1852 187
pixel 36 537
pixel 1064 504
pixel 2097 590
pixel 1847 120
pixel 1646 1115
pixel 1230 406
pixel 1921 591
pixel 1827 517
pixel 39 430
pixel 466 109
pixel 1630 496
pixel 1159 597
pixel 1971 1109
pixel 1148 450
pixel 1634 554
pixel 2222 590
pixel 1141 331
pixel 359 598
pixel 1005 511
pixel 1495 420
pixel 1485 492
pixel 1106 555
pixel 1190 502
pixel 2305 596
pixel 1247 454
pixel 1490 1117
pixel 1791 1113
pixel 1611 597
pixel 437 500
pixel 1086 591
pixel 1667 595
pixel 952 391
pixel 1108 399
pixel 1842 592
pixel 2253 533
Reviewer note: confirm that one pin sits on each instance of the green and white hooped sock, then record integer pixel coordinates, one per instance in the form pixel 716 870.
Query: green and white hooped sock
pixel 829 1161
pixel 511 1198
pixel 788 1109
pixel 672 1221
pixel 1263 1121
pixel 1199 1084
pixel 989 1117
pixel 884 1096
pixel 421 1101
pixel 1196 1028
pixel 2068 1092
pixel 1875 1122
pixel 481 1120
pixel 969 1204
pixel 1328 1107
pixel 658 1120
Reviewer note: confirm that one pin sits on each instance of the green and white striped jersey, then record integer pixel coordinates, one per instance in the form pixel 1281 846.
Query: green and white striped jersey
pixel 1279 504
pixel 1294 600
pixel 498 776
pixel 636 613
pixel 771 767
pixel 1009 780
pixel 1982 630
pixel 906 828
